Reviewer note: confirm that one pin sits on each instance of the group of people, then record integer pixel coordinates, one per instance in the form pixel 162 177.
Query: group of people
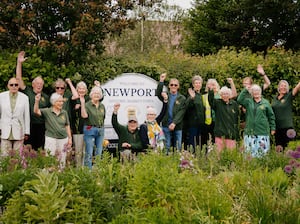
pixel 29 116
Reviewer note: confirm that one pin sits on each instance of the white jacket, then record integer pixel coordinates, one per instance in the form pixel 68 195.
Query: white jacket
pixel 18 120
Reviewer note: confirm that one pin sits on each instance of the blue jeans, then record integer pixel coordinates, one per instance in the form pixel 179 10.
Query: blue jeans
pixel 173 138
pixel 92 136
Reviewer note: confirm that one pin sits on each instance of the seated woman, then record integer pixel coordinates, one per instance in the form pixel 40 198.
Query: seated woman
pixel 58 132
pixel 151 133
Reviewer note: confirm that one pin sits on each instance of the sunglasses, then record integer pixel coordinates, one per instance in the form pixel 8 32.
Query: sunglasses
pixel 173 84
pixel 60 87
pixel 14 84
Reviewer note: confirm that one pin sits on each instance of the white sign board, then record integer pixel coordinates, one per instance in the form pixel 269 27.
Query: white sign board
pixel 135 92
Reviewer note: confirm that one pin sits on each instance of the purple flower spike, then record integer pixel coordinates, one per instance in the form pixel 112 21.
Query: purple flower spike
pixel 291 133
pixel 298 149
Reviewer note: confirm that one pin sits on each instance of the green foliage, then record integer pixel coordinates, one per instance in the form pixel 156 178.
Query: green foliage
pixel 13 181
pixel 48 199
pixel 257 25
pixel 64 31
pixel 153 189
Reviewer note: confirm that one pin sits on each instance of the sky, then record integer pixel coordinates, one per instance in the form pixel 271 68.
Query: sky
pixel 185 4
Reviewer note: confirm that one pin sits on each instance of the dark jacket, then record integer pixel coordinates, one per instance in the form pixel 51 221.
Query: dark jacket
pixel 178 109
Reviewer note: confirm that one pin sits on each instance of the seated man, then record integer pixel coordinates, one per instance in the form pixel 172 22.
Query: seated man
pixel 129 137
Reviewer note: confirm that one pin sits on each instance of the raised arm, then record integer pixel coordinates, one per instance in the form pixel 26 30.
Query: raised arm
pixel 84 114
pixel 21 58
pixel 296 89
pixel 267 81
pixel 160 86
pixel 232 86
pixel 97 83
pixel 36 108
pixel 72 88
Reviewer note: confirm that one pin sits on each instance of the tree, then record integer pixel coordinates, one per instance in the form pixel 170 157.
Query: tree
pixel 256 24
pixel 62 30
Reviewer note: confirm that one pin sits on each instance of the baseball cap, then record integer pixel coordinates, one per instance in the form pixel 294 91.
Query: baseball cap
pixel 132 118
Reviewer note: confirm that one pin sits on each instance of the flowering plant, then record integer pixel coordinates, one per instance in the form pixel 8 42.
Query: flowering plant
pixel 186 161
pixel 294 163
pixel 24 158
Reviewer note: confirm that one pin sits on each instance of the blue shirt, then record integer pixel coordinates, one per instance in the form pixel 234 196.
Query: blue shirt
pixel 171 105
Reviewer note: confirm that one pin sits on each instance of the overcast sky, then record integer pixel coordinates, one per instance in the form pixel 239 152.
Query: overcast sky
pixel 182 3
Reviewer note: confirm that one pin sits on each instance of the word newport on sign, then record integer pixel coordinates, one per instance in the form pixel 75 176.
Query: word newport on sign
pixel 129 92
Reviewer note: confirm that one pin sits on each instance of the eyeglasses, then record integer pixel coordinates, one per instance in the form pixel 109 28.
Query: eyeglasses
pixel 60 87
pixel 151 114
pixel 174 85
pixel 13 84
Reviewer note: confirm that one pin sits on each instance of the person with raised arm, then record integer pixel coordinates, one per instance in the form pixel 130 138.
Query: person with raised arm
pixel 282 105
pixel 172 122
pixel 37 123
pixel 129 143
pixel 226 128
pixel 58 137
pixel 60 87
pixel 93 113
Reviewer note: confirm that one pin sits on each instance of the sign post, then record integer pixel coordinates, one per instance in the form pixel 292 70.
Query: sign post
pixel 135 92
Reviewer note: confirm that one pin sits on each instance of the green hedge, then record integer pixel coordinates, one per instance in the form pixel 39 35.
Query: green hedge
pixel 278 64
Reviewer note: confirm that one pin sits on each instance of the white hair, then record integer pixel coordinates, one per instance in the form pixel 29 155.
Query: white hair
pixel 81 84
pixel 54 97
pixel 96 89
pixel 225 89
pixel 151 110
pixel 255 88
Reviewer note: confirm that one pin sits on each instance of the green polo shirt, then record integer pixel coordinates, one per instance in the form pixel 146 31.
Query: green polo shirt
pixel 96 115
pixel 44 103
pixel 55 124
pixel 283 110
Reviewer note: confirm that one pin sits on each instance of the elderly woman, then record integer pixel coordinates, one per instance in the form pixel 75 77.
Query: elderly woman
pixel 226 119
pixel 213 85
pixel 282 105
pixel 93 113
pixel 260 121
pixel 60 87
pixel 152 135
pixel 58 133
pixel 195 113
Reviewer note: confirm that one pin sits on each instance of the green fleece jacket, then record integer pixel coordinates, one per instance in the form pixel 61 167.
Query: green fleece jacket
pixel 124 135
pixel 260 118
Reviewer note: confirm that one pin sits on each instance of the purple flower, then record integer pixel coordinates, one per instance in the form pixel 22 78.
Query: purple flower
pixel 291 133
pixel 288 169
pixel 298 149
pixel 32 154
pixel 296 154
pixel 292 162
